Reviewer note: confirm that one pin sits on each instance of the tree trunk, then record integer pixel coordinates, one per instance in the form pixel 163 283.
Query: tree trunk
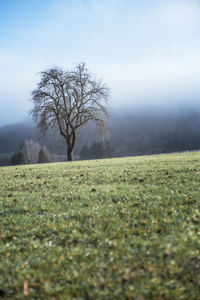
pixel 70 155
pixel 70 145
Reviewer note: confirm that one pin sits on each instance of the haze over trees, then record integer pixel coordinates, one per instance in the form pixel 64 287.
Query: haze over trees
pixel 96 150
pixel 31 152
pixel 44 155
pixel 132 132
pixel 68 100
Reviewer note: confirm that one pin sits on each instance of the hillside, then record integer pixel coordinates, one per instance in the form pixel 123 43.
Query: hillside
pixel 133 132
pixel 123 228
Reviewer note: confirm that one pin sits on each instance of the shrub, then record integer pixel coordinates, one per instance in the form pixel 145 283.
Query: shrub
pixel 43 156
pixel 18 158
pixel 5 159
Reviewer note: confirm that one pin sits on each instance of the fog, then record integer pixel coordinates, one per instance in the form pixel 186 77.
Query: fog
pixel 132 132
pixel 147 52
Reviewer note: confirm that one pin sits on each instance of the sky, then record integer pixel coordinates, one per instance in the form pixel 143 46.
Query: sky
pixel 146 51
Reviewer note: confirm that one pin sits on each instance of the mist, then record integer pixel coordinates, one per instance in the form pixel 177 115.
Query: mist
pixel 132 132
pixel 147 52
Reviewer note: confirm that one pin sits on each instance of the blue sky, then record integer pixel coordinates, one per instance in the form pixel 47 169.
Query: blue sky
pixel 148 52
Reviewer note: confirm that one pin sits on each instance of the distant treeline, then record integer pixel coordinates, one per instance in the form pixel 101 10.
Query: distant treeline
pixel 97 150
pixel 133 132
pixel 153 132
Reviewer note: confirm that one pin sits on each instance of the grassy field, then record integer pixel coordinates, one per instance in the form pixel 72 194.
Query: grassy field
pixel 123 228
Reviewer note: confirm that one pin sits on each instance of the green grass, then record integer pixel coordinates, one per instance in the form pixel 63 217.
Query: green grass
pixel 108 229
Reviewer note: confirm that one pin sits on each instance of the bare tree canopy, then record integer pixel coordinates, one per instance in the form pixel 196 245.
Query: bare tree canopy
pixel 68 100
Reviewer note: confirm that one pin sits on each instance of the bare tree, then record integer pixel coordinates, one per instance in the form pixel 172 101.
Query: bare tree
pixel 68 100
pixel 31 150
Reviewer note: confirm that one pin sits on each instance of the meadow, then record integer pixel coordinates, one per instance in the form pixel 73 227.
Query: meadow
pixel 124 228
